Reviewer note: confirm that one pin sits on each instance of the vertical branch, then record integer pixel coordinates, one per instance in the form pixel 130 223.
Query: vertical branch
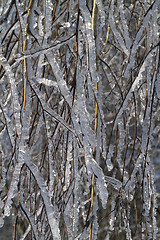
pixel 146 89
pixel 65 51
pixel 25 63
pixel 145 33
pixel 96 112
pixel 95 125
pixel 107 35
pixel 54 11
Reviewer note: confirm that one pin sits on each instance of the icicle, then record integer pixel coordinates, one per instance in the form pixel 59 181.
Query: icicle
pixel 69 162
pixel 59 77
pixel 52 173
pixel 1 222
pixel 155 28
pixel 94 219
pixel 9 124
pixel 99 135
pixel 101 12
pixel 90 41
pixel 86 129
pixel 3 169
pixel 104 142
pixel 14 183
pixel 76 191
pixel 112 215
pixel 76 119
pixel 126 224
pixel 114 29
pixel 121 144
pixel 109 156
pixel 125 26
pixel 14 92
pixel 68 218
pixel 48 18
